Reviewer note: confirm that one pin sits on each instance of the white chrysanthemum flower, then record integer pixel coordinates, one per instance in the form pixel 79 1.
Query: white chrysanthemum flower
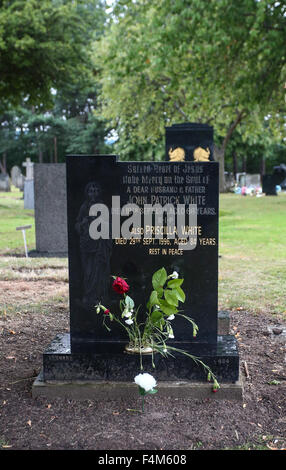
pixel 129 321
pixel 171 336
pixel 171 317
pixel 145 381
pixel 175 275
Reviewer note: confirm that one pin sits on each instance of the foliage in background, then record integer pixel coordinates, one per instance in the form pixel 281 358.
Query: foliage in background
pixel 150 64
pixel 259 157
pixel 47 87
pixel 42 45
pixel 220 62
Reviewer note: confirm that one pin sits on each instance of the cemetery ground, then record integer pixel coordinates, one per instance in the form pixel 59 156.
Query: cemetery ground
pixel 34 308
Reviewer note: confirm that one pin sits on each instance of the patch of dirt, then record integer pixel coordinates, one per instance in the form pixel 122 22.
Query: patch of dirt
pixel 178 424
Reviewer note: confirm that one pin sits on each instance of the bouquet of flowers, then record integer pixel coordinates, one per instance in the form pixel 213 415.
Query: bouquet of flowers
pixel 151 334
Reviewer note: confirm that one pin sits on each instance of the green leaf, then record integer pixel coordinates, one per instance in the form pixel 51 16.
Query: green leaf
pixel 142 391
pixel 167 308
pixel 156 317
pixel 180 294
pixel 174 283
pixel 171 297
pixel 152 391
pixel 153 298
pixel 274 382
pixel 160 292
pixel 159 278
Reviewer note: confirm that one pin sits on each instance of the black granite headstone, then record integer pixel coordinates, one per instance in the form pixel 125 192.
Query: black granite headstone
pixel 91 352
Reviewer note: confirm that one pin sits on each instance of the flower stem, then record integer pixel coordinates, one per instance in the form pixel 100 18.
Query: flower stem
pixel 143 404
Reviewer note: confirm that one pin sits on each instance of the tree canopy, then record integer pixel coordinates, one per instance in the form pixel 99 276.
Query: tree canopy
pixel 44 45
pixel 47 88
pixel 151 64
pixel 214 61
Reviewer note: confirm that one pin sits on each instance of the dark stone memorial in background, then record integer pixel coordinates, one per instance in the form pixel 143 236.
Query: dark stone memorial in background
pixel 269 182
pixel 189 142
pixel 90 352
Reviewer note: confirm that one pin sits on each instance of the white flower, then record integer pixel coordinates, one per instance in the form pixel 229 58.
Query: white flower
pixel 127 314
pixel 170 333
pixel 171 317
pixel 174 275
pixel 145 381
pixel 129 321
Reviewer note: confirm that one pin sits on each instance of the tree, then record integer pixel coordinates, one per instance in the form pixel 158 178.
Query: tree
pixel 69 127
pixel 220 62
pixel 43 44
pixel 254 157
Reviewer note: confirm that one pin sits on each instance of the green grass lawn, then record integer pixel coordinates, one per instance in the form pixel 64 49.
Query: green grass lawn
pixel 12 215
pixel 252 267
pixel 252 246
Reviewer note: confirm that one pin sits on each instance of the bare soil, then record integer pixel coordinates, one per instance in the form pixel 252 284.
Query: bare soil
pixel 26 423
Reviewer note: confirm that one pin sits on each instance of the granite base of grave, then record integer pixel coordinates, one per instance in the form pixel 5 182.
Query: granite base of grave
pixel 103 390
pixel 91 375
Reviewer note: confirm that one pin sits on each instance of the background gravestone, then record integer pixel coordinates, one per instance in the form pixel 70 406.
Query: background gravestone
pixel 5 183
pixel 253 180
pixel 29 185
pixel 15 175
pixel 29 200
pixel 29 168
pixel 189 142
pixel 50 208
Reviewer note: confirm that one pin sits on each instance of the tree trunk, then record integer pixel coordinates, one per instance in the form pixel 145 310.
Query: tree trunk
pixel 219 157
pixel 3 164
pixel 244 164
pixel 234 164
pixel 56 149
pixel 262 168
pixel 219 153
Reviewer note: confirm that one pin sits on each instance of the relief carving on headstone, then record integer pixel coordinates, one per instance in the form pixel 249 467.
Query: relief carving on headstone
pixel 95 254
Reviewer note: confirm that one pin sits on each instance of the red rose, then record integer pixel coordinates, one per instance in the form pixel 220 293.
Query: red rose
pixel 106 312
pixel 120 286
